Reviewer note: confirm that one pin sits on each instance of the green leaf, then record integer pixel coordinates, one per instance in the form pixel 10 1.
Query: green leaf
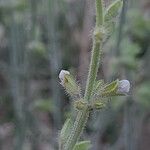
pixel 83 145
pixel 65 131
pixel 112 10
pixel 109 27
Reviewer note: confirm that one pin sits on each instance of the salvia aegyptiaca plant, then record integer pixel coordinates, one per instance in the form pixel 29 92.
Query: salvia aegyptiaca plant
pixel 96 91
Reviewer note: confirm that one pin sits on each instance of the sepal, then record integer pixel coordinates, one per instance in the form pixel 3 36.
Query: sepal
pixel 116 88
pixel 70 84
pixel 97 105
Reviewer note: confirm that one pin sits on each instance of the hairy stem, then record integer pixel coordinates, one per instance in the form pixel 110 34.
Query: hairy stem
pixel 77 129
pixel 93 69
pixel 99 13
pixel 94 64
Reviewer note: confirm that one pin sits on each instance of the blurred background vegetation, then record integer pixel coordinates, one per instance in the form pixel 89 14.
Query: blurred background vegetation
pixel 37 39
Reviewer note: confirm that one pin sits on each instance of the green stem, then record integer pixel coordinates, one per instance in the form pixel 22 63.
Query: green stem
pixel 94 64
pixel 93 69
pixel 99 13
pixel 77 129
pixel 95 51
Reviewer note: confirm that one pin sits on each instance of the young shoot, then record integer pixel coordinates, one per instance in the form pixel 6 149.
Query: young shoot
pixel 95 91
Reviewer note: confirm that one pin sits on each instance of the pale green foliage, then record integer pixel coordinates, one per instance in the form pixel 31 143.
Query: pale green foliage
pixel 65 131
pixel 83 145
pixel 112 10
pixel 110 15
pixel 95 90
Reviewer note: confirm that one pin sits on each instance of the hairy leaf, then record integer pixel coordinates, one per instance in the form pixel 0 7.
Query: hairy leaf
pixel 112 10
pixel 65 131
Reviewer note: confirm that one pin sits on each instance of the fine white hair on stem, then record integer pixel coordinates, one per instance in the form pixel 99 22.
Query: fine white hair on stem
pixel 123 87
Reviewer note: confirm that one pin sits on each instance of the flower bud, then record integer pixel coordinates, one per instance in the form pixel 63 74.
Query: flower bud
pixel 62 75
pixel 80 104
pixel 123 87
pixel 69 84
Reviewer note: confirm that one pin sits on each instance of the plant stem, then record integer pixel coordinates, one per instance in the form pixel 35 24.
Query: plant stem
pixel 94 64
pixel 99 13
pixel 93 69
pixel 77 129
